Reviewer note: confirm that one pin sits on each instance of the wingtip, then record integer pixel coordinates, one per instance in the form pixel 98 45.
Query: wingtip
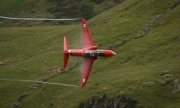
pixel 83 84
pixel 83 20
pixel 64 66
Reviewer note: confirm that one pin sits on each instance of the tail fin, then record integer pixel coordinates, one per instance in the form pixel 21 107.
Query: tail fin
pixel 66 48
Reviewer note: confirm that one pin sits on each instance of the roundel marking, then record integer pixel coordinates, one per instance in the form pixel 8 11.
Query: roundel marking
pixel 84 25
pixel 84 80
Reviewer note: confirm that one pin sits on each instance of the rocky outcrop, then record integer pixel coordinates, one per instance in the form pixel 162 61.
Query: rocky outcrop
pixel 102 101
pixel 167 78
pixel 150 25
pixel 176 86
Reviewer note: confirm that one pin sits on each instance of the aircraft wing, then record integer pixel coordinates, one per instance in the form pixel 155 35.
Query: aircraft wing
pixel 87 64
pixel 87 40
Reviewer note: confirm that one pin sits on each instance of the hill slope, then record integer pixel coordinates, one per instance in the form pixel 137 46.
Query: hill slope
pixel 145 36
pixel 51 9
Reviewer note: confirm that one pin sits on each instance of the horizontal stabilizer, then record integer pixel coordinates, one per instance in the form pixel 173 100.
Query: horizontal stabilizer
pixel 66 48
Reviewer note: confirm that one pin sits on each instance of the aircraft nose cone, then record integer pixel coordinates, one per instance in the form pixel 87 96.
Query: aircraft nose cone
pixel 109 53
pixel 113 53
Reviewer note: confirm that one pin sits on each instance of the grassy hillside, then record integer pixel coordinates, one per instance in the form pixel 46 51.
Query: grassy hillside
pixel 51 9
pixel 145 68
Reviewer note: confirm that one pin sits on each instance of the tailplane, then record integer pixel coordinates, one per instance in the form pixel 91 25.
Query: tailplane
pixel 66 48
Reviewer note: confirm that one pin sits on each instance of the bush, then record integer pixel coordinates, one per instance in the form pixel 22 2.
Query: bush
pixel 97 1
pixel 85 10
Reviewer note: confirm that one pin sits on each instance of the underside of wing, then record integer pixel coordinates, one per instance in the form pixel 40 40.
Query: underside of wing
pixel 87 64
pixel 87 39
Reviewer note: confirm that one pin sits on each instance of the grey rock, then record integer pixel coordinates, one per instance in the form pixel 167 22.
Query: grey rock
pixel 149 83
pixel 166 78
pixel 176 86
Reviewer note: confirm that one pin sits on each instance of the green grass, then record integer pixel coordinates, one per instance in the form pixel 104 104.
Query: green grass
pixel 41 9
pixel 155 52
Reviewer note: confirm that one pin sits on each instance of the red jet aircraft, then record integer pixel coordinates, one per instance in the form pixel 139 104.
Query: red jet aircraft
pixel 89 52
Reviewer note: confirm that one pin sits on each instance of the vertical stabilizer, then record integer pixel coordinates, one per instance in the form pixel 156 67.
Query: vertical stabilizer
pixel 66 48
